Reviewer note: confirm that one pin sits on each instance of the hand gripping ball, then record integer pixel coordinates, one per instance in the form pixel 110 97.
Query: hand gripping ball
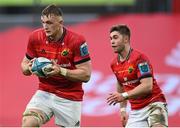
pixel 41 66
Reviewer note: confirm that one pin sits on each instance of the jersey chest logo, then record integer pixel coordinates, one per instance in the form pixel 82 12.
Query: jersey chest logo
pixel 65 52
pixel 130 69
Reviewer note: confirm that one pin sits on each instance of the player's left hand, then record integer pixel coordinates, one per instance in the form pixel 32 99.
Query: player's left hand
pixel 54 70
pixel 115 98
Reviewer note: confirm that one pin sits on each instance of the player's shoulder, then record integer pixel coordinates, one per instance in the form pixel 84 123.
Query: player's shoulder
pixel 138 55
pixel 37 31
pixel 71 35
pixel 37 34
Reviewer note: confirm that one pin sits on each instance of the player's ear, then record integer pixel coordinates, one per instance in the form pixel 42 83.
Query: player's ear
pixel 61 21
pixel 126 38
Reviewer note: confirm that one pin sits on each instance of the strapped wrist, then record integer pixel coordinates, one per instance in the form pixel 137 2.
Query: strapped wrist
pixel 125 95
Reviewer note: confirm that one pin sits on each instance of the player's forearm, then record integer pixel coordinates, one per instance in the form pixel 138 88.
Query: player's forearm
pixel 82 72
pixel 76 74
pixel 79 75
pixel 141 90
pixel 121 90
pixel 25 66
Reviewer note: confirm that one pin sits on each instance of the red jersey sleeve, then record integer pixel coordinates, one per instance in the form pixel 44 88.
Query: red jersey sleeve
pixel 144 68
pixel 81 53
pixel 30 53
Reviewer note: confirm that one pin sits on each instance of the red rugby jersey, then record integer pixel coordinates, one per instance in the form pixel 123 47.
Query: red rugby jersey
pixel 70 50
pixel 131 71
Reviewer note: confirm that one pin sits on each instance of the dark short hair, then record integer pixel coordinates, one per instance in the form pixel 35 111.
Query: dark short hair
pixel 52 9
pixel 122 29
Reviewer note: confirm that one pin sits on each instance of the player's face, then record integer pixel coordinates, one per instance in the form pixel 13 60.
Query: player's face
pixel 117 42
pixel 52 25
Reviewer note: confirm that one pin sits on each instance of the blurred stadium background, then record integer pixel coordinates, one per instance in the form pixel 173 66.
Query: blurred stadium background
pixel 155 26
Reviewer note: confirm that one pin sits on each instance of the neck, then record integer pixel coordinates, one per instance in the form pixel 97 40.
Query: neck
pixel 125 53
pixel 58 36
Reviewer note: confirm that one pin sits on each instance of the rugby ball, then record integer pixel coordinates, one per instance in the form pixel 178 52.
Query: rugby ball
pixel 41 66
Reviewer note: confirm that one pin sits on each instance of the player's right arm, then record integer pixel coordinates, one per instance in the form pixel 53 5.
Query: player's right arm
pixel 26 66
pixel 123 105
